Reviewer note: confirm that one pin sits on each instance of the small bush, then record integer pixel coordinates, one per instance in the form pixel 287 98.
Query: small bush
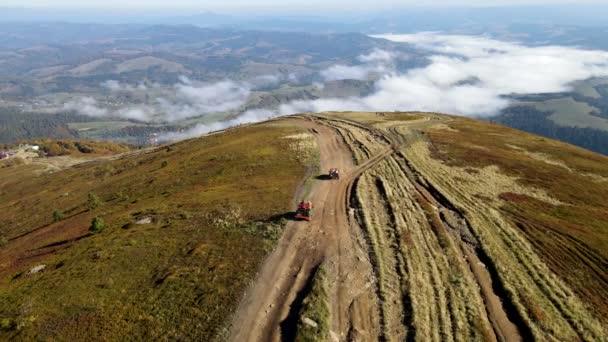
pixel 3 240
pixel 93 201
pixel 315 307
pixel 185 215
pixel 14 161
pixel 97 225
pixel 83 148
pixel 226 215
pixel 7 324
pixel 164 164
pixel 57 215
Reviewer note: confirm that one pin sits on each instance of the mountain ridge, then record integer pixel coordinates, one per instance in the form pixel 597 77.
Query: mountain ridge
pixel 422 200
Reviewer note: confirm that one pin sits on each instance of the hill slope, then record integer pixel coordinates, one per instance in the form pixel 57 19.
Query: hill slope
pixel 578 117
pixel 186 226
pixel 439 228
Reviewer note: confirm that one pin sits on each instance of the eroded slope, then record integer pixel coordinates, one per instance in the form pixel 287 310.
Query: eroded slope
pixel 448 229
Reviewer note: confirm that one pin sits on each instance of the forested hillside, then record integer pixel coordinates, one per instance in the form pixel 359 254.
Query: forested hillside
pixel 16 125
pixel 530 119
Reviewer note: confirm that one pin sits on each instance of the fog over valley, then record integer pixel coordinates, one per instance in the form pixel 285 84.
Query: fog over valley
pixel 306 170
pixel 177 81
pixel 472 76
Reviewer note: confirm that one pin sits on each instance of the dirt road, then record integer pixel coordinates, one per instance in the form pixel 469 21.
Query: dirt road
pixel 363 230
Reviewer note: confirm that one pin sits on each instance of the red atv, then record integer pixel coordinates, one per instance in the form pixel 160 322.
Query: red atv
pixel 304 211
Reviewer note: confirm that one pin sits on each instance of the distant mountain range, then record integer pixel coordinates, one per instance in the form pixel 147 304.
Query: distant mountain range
pixel 46 65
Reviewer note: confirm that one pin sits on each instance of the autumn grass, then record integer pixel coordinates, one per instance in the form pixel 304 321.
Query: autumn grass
pixel 377 118
pixel 550 300
pixel 315 307
pixel 572 238
pixel 423 289
pixel 60 147
pixel 178 276
pixel 305 146
pixel 541 303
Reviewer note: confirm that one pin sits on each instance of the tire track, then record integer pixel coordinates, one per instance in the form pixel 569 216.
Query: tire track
pixel 409 253
pixel 302 248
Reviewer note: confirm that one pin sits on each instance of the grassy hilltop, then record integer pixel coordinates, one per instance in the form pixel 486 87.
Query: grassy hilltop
pixel 209 209
pixel 439 228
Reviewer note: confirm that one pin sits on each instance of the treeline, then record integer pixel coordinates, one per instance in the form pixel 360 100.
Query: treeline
pixel 530 119
pixel 601 103
pixel 137 135
pixel 16 125
pixel 53 147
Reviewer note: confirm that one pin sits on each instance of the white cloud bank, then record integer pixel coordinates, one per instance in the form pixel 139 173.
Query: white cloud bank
pixel 472 75
pixel 90 107
pixel 183 100
pixel 467 75
pixel 379 62
pixel 197 99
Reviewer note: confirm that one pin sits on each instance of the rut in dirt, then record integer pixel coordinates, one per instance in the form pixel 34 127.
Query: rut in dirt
pixel 506 320
pixel 449 223
pixel 413 240
pixel 276 295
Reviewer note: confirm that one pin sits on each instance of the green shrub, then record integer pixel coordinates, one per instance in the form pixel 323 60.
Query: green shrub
pixel 97 225
pixel 164 164
pixel 3 240
pixel 14 161
pixel 7 324
pixel 93 201
pixel 185 215
pixel 315 308
pixel 57 215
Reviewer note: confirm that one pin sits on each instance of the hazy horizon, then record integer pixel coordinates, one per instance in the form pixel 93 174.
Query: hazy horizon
pixel 297 4
pixel 297 8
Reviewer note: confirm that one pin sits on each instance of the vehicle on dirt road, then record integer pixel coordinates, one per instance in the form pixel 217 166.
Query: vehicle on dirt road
pixel 304 211
pixel 334 173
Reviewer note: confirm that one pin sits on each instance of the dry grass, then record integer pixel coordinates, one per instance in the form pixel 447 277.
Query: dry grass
pixel 478 172
pixel 568 237
pixel 315 307
pixel 424 290
pixel 177 277
pixel 61 147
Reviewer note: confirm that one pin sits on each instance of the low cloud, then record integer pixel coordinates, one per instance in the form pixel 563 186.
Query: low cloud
pixel 140 113
pixel 470 76
pixel 378 62
pixel 116 86
pixel 473 75
pixel 87 106
pixel 466 75
pixel 90 107
pixel 183 100
pixel 378 56
pixel 250 116
pixel 345 72
pixel 194 99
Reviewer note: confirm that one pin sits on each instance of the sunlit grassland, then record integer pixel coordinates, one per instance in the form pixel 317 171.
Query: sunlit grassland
pixel 214 204
pixel 570 237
